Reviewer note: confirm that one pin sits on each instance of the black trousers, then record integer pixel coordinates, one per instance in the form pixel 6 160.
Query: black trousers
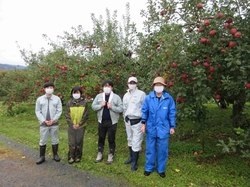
pixel 103 128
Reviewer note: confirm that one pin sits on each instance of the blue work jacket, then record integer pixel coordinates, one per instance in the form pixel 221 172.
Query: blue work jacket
pixel 159 114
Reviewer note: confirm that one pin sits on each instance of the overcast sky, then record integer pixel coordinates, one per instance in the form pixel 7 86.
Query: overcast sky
pixel 25 21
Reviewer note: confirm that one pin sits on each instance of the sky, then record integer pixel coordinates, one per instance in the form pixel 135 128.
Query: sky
pixel 25 21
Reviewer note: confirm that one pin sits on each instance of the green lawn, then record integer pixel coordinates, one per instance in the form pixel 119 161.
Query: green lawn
pixel 209 168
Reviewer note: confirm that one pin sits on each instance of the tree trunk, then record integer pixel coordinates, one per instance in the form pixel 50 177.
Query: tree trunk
pixel 237 117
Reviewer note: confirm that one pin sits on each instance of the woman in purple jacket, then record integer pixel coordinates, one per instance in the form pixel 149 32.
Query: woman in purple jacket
pixel 158 121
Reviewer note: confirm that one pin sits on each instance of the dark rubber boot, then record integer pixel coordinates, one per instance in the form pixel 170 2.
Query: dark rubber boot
pixel 130 158
pixel 55 155
pixel 42 154
pixel 135 156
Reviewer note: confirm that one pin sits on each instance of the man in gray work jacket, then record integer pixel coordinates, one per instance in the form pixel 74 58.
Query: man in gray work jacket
pixel 48 111
pixel 132 103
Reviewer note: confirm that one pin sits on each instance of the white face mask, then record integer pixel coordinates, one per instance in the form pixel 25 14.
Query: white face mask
pixel 131 86
pixel 107 90
pixel 76 96
pixel 49 90
pixel 158 89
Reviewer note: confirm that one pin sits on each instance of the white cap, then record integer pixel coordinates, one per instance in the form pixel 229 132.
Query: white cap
pixel 132 79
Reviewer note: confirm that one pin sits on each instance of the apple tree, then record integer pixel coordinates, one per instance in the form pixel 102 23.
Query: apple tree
pixel 202 49
pixel 86 58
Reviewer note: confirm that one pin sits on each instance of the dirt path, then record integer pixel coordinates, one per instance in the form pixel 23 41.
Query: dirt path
pixel 18 169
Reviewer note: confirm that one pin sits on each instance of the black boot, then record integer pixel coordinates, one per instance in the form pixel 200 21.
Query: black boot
pixel 55 155
pixel 42 154
pixel 135 156
pixel 130 158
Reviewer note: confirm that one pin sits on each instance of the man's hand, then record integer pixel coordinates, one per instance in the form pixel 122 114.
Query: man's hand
pixel 49 122
pixel 143 127
pixel 103 103
pixel 109 105
pixel 172 131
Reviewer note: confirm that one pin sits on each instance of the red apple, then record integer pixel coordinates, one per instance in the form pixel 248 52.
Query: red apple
pixel 178 99
pixel 212 69
pixel 220 15
pixel 212 32
pixel 233 31
pixel 174 65
pixel 232 44
pixel 203 40
pixel 237 34
pixel 200 29
pixel 206 22
pixel 217 96
pixel 199 5
pixel 229 20
pixel 170 84
pixel 206 64
pixel 247 85
pixel 195 63
pixel 226 25
pixel 77 60
pixel 184 76
pixel 195 153
pixel 209 77
pixel 162 13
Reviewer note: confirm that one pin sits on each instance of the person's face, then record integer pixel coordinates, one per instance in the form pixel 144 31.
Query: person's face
pixel 49 90
pixel 132 85
pixel 107 89
pixel 158 88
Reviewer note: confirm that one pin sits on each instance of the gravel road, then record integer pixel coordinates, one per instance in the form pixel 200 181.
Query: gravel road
pixel 18 169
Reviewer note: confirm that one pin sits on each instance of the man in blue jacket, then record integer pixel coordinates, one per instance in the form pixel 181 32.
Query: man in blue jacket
pixel 158 121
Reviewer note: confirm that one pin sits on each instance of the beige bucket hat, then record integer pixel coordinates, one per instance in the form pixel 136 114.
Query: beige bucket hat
pixel 159 80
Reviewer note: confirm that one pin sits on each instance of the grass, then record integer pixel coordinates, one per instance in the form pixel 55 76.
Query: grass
pixel 209 168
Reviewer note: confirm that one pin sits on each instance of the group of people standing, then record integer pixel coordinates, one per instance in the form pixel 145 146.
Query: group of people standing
pixel 153 114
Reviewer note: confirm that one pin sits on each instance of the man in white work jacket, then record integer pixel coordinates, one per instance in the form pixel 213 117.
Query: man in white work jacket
pixel 132 102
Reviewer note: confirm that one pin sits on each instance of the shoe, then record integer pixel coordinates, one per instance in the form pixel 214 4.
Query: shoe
pixel 110 158
pixel 99 157
pixel 162 175
pixel 77 160
pixel 147 173
pixel 71 161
